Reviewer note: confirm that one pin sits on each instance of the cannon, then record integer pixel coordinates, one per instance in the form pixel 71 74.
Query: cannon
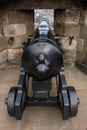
pixel 42 59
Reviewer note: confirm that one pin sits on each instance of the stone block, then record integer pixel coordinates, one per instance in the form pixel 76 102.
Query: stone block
pixel 15 42
pixel 1 18
pixel 81 45
pixel 3 65
pixel 11 16
pixel 83 18
pixel 80 57
pixel 83 32
pixel 12 30
pixel 3 56
pixel 18 18
pixel 69 56
pixel 67 16
pixel 30 28
pixel 68 30
pixel 2 43
pixel 14 56
pixel 67 44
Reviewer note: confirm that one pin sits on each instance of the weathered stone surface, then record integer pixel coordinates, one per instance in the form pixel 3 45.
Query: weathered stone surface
pixel 11 16
pixel 80 57
pixel 14 17
pixel 1 20
pixel 70 30
pixel 30 28
pixel 83 18
pixel 43 4
pixel 14 56
pixel 69 56
pixel 15 42
pixel 67 16
pixel 12 30
pixel 4 65
pixel 67 44
pixel 83 32
pixel 81 45
pixel 1 30
pixel 2 43
pixel 3 56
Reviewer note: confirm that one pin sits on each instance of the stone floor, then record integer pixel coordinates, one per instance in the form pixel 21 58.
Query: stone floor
pixel 44 118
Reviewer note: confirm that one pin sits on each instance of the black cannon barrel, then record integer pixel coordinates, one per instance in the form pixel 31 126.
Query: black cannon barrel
pixel 42 58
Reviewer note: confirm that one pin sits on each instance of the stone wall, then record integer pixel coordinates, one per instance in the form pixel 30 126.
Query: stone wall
pixel 71 26
pixel 15 26
pixel 67 26
pixel 81 54
pixel 17 22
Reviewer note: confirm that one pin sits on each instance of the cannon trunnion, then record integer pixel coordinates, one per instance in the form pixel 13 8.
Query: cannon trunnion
pixel 42 59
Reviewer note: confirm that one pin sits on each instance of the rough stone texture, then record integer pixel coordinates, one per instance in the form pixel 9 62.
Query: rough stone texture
pixel 14 56
pixel 12 30
pixel 80 57
pixel 17 25
pixel 15 42
pixel 66 24
pixel 67 16
pixel 19 17
pixel 11 16
pixel 3 56
pixel 4 65
pixel 83 18
pixel 44 4
pixel 81 45
pixel 1 30
pixel 81 54
pixel 67 44
pixel 83 32
pixel 69 57
pixel 70 30
pixel 2 43
pixel 44 118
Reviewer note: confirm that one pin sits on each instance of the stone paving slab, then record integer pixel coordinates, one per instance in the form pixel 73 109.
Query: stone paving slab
pixel 43 118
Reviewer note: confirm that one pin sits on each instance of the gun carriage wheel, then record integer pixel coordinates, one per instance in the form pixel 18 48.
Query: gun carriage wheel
pixel 10 101
pixel 73 101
